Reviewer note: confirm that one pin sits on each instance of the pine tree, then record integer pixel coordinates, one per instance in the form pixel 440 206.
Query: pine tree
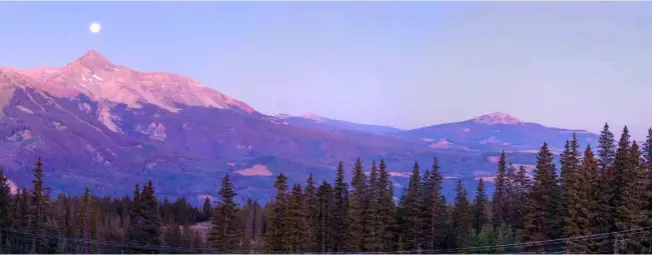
pixel 340 195
pixel 371 214
pixel 324 227
pixel 499 207
pixel 521 187
pixel 25 209
pixel 480 217
pixel 542 218
pixel 151 218
pixel 630 199
pixel 435 209
pixel 206 209
pixel 510 195
pixel 134 233
pixel 5 209
pixel 386 209
pixel 225 233
pixel 606 149
pixel 357 202
pixel 413 219
pixel 38 210
pixel 647 156
pixel 275 240
pixel 5 201
pixel 84 220
pixel 581 201
pixel 461 217
pixel 570 180
pixel 606 156
pixel 295 224
pixel 312 214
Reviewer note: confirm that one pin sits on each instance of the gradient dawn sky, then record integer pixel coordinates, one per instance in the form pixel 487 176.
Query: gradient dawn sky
pixel 404 64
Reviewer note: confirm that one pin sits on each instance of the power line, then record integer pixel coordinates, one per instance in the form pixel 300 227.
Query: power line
pixel 536 243
pixel 604 237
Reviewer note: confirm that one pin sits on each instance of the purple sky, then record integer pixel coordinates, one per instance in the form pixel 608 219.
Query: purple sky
pixel 405 64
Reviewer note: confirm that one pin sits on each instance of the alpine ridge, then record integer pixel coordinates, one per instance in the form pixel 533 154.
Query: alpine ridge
pixel 98 78
pixel 105 126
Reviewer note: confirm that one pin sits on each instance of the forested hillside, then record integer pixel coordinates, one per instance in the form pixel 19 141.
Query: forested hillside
pixel 596 201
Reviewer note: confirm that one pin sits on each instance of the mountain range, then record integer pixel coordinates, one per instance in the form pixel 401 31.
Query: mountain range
pixel 105 126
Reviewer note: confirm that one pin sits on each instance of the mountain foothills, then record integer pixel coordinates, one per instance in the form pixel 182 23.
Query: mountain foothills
pixel 107 127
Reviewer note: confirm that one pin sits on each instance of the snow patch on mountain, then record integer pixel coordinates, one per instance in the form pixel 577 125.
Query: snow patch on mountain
pixel 441 144
pixel 106 118
pixel 312 116
pixel 497 118
pixel 255 170
pixel 24 109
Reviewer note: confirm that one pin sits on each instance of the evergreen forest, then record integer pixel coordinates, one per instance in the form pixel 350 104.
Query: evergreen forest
pixel 595 200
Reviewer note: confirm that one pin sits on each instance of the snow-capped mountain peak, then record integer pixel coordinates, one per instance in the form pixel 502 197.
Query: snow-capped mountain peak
pixel 497 118
pixel 312 116
pixel 95 76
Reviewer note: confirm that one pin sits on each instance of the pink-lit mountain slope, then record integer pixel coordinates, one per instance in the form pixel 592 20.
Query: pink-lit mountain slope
pixel 104 82
pixel 108 127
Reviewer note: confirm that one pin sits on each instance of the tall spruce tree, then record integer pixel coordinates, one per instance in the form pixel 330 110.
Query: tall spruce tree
pixel 275 240
pixel 499 203
pixel 541 221
pixel 606 156
pixel 312 214
pixel 629 200
pixel 6 211
pixel 436 210
pixel 647 157
pixel 509 195
pixel 324 227
pixel 413 219
pixel 480 217
pixel 5 201
pixel 341 198
pixel 135 232
pixel 206 209
pixel 606 149
pixel 426 186
pixel 225 233
pixel 461 217
pixel 386 209
pixel 38 209
pixel 521 185
pixel 581 204
pixel 151 224
pixel 570 179
pixel 84 220
pixel 356 212
pixel 371 217
pixel 295 224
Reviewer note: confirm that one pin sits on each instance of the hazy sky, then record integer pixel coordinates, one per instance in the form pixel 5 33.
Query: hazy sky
pixel 573 65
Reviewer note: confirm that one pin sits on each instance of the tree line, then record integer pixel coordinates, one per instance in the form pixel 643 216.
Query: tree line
pixel 592 203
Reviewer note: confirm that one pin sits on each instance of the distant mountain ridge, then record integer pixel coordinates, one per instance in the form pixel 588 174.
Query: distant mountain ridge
pixel 108 127
pixel 498 131
pixel 314 121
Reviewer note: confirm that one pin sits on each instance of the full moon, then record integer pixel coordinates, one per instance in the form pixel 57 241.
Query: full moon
pixel 95 27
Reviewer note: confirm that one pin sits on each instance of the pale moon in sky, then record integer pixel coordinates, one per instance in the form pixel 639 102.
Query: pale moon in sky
pixel 95 27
